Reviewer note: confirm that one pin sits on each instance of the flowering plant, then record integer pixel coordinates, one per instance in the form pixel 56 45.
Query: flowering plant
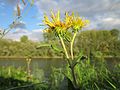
pixel 71 23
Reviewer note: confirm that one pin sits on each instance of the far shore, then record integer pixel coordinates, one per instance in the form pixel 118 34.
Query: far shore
pixel 24 57
pixel 46 57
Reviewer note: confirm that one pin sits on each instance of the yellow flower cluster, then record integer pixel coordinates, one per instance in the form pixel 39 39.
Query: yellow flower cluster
pixel 78 23
pixel 60 26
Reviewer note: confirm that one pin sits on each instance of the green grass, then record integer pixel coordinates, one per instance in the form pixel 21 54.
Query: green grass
pixel 12 78
pixel 90 76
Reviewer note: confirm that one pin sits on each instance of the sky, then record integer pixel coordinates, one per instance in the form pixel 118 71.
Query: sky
pixel 103 14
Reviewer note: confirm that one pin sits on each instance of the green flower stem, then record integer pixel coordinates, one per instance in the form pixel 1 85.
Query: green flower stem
pixel 65 50
pixel 71 45
pixel 63 45
pixel 68 59
pixel 72 57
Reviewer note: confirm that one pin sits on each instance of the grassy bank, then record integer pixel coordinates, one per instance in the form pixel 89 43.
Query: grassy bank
pixel 93 76
pixel 39 57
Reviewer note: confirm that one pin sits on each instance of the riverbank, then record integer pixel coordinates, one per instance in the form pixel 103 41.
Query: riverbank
pixel 37 57
pixel 24 57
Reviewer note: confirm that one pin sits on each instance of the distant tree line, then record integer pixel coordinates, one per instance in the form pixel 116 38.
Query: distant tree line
pixel 92 42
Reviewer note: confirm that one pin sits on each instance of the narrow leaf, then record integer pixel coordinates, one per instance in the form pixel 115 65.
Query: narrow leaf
pixel 43 45
pixel 79 56
pixel 23 2
pixel 18 10
pixel 111 84
pixel 56 48
pixel 97 86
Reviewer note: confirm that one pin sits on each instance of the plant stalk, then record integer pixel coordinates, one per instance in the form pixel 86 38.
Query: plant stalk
pixel 74 78
pixel 68 59
pixel 71 45
pixel 72 57
pixel 63 45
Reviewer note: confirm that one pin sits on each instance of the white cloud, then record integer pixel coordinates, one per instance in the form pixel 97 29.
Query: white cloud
pixel 107 22
pixel 88 8
pixel 34 35
pixel 19 24
pixel 20 31
pixel 81 6
pixel 103 14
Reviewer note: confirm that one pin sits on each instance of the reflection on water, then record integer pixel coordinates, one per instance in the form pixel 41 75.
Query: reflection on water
pixel 46 63
pixel 111 62
pixel 36 63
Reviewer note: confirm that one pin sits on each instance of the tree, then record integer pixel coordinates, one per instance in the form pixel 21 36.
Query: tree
pixel 115 32
pixel 24 38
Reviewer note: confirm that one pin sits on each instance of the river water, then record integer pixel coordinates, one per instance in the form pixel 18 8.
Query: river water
pixel 46 63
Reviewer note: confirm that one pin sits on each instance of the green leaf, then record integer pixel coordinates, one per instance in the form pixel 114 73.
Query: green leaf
pixel 43 45
pixel 56 48
pixel 67 36
pixel 77 60
pixel 79 56
pixel 111 84
pixel 50 46
pixel 97 86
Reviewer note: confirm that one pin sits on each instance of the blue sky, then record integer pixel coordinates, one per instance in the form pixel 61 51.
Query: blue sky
pixel 30 15
pixel 103 14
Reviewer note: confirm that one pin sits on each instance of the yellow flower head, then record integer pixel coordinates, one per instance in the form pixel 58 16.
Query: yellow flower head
pixel 78 23
pixel 59 26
